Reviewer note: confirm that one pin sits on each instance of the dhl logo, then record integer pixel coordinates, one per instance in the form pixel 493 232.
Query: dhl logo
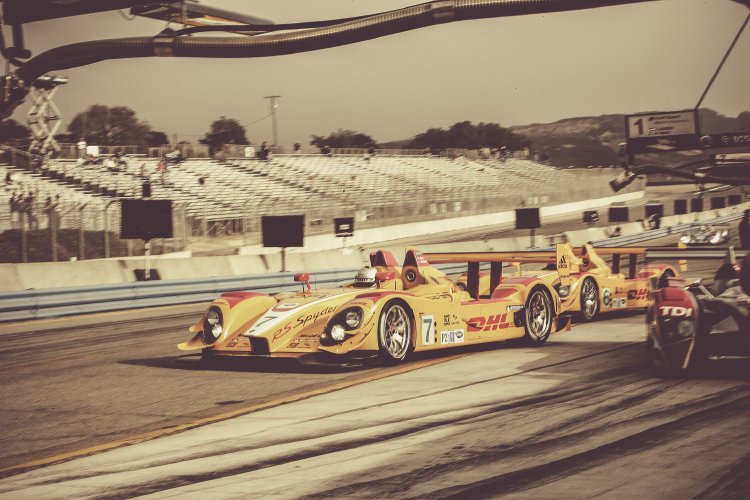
pixel 638 294
pixel 482 324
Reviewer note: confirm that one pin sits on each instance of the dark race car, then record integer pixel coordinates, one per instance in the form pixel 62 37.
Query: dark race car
pixel 689 324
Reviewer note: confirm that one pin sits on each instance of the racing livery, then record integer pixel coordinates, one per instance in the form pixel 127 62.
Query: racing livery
pixel 285 324
pixel 587 284
pixel 407 308
pixel 688 324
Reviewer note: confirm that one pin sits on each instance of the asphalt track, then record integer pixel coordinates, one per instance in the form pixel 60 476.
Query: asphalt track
pixel 580 417
pixel 104 406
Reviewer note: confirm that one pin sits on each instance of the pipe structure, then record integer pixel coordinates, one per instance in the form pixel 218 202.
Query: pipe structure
pixel 171 44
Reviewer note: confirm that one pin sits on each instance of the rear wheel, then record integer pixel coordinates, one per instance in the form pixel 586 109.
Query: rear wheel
pixel 538 317
pixel 589 299
pixel 394 333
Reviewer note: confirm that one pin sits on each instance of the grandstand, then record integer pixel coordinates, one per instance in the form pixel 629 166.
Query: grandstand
pixel 213 197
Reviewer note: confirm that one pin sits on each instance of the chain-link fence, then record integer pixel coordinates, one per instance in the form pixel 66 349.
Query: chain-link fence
pixel 51 230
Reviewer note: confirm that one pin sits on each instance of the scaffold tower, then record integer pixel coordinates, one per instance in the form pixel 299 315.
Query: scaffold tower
pixel 44 117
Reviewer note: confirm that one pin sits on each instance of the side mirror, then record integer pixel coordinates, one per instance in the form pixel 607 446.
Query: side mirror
pixel 303 278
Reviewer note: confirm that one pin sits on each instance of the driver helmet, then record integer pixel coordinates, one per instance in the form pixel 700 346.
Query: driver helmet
pixel 365 277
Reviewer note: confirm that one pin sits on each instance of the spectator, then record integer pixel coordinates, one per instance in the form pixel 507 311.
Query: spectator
pixel 8 178
pixel 110 165
pixel 81 145
pixel 144 171
pixel 120 161
pixel 264 152
pixel 13 210
pixel 744 230
pixel 163 169
pixel 297 148
pixel 617 231
pixel 90 159
pixel 174 156
pixel 326 150
pixel 371 151
pixel 29 209
pixel 50 210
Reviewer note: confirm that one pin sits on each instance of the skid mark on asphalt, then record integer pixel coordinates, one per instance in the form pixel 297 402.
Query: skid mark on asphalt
pixel 728 405
pixel 223 416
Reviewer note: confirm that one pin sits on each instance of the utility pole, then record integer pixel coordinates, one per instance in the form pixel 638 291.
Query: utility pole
pixel 273 105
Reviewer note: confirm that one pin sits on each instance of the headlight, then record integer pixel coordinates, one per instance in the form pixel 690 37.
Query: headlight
pixel 213 326
pixel 684 329
pixel 563 291
pixel 353 318
pixel 337 333
pixel 685 239
pixel 716 238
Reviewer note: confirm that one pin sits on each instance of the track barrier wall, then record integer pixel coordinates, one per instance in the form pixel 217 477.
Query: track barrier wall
pixel 53 302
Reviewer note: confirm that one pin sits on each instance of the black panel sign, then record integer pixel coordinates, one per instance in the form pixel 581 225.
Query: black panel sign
pixel 145 219
pixel 283 231
pixel 619 214
pixel 680 207
pixel 527 218
pixel 343 226
pixel 656 209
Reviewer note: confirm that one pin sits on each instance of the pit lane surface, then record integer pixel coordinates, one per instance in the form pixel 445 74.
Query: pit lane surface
pixel 580 417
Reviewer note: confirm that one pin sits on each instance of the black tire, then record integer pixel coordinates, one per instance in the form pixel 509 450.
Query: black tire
pixel 745 275
pixel 657 363
pixel 394 333
pixel 538 316
pixel 589 299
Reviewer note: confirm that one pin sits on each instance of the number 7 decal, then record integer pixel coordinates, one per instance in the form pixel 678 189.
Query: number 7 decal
pixel 428 330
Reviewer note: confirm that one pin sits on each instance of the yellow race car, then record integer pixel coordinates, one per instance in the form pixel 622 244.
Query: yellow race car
pixel 386 313
pixel 592 285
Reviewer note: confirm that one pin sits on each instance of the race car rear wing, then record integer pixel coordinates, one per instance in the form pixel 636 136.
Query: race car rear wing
pixel 561 258
pixel 694 253
pixel 617 253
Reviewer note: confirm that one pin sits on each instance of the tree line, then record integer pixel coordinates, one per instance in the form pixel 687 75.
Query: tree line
pixel 119 125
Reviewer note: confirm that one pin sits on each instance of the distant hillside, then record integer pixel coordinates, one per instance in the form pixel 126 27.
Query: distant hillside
pixel 594 140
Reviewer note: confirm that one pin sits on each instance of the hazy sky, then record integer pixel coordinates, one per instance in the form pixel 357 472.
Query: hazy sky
pixel 512 71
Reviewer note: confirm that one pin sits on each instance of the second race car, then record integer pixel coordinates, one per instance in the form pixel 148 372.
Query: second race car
pixel 594 286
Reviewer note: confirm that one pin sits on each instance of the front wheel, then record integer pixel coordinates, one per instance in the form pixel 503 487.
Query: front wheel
pixel 589 299
pixel 394 333
pixel 538 317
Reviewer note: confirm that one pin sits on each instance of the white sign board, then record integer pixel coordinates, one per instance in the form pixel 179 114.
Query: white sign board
pixel 662 124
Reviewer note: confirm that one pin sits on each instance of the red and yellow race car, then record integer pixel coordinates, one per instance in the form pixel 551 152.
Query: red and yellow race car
pixel 593 286
pixel 386 313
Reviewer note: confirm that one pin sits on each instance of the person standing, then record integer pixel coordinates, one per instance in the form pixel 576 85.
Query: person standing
pixel 81 145
pixel 744 229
